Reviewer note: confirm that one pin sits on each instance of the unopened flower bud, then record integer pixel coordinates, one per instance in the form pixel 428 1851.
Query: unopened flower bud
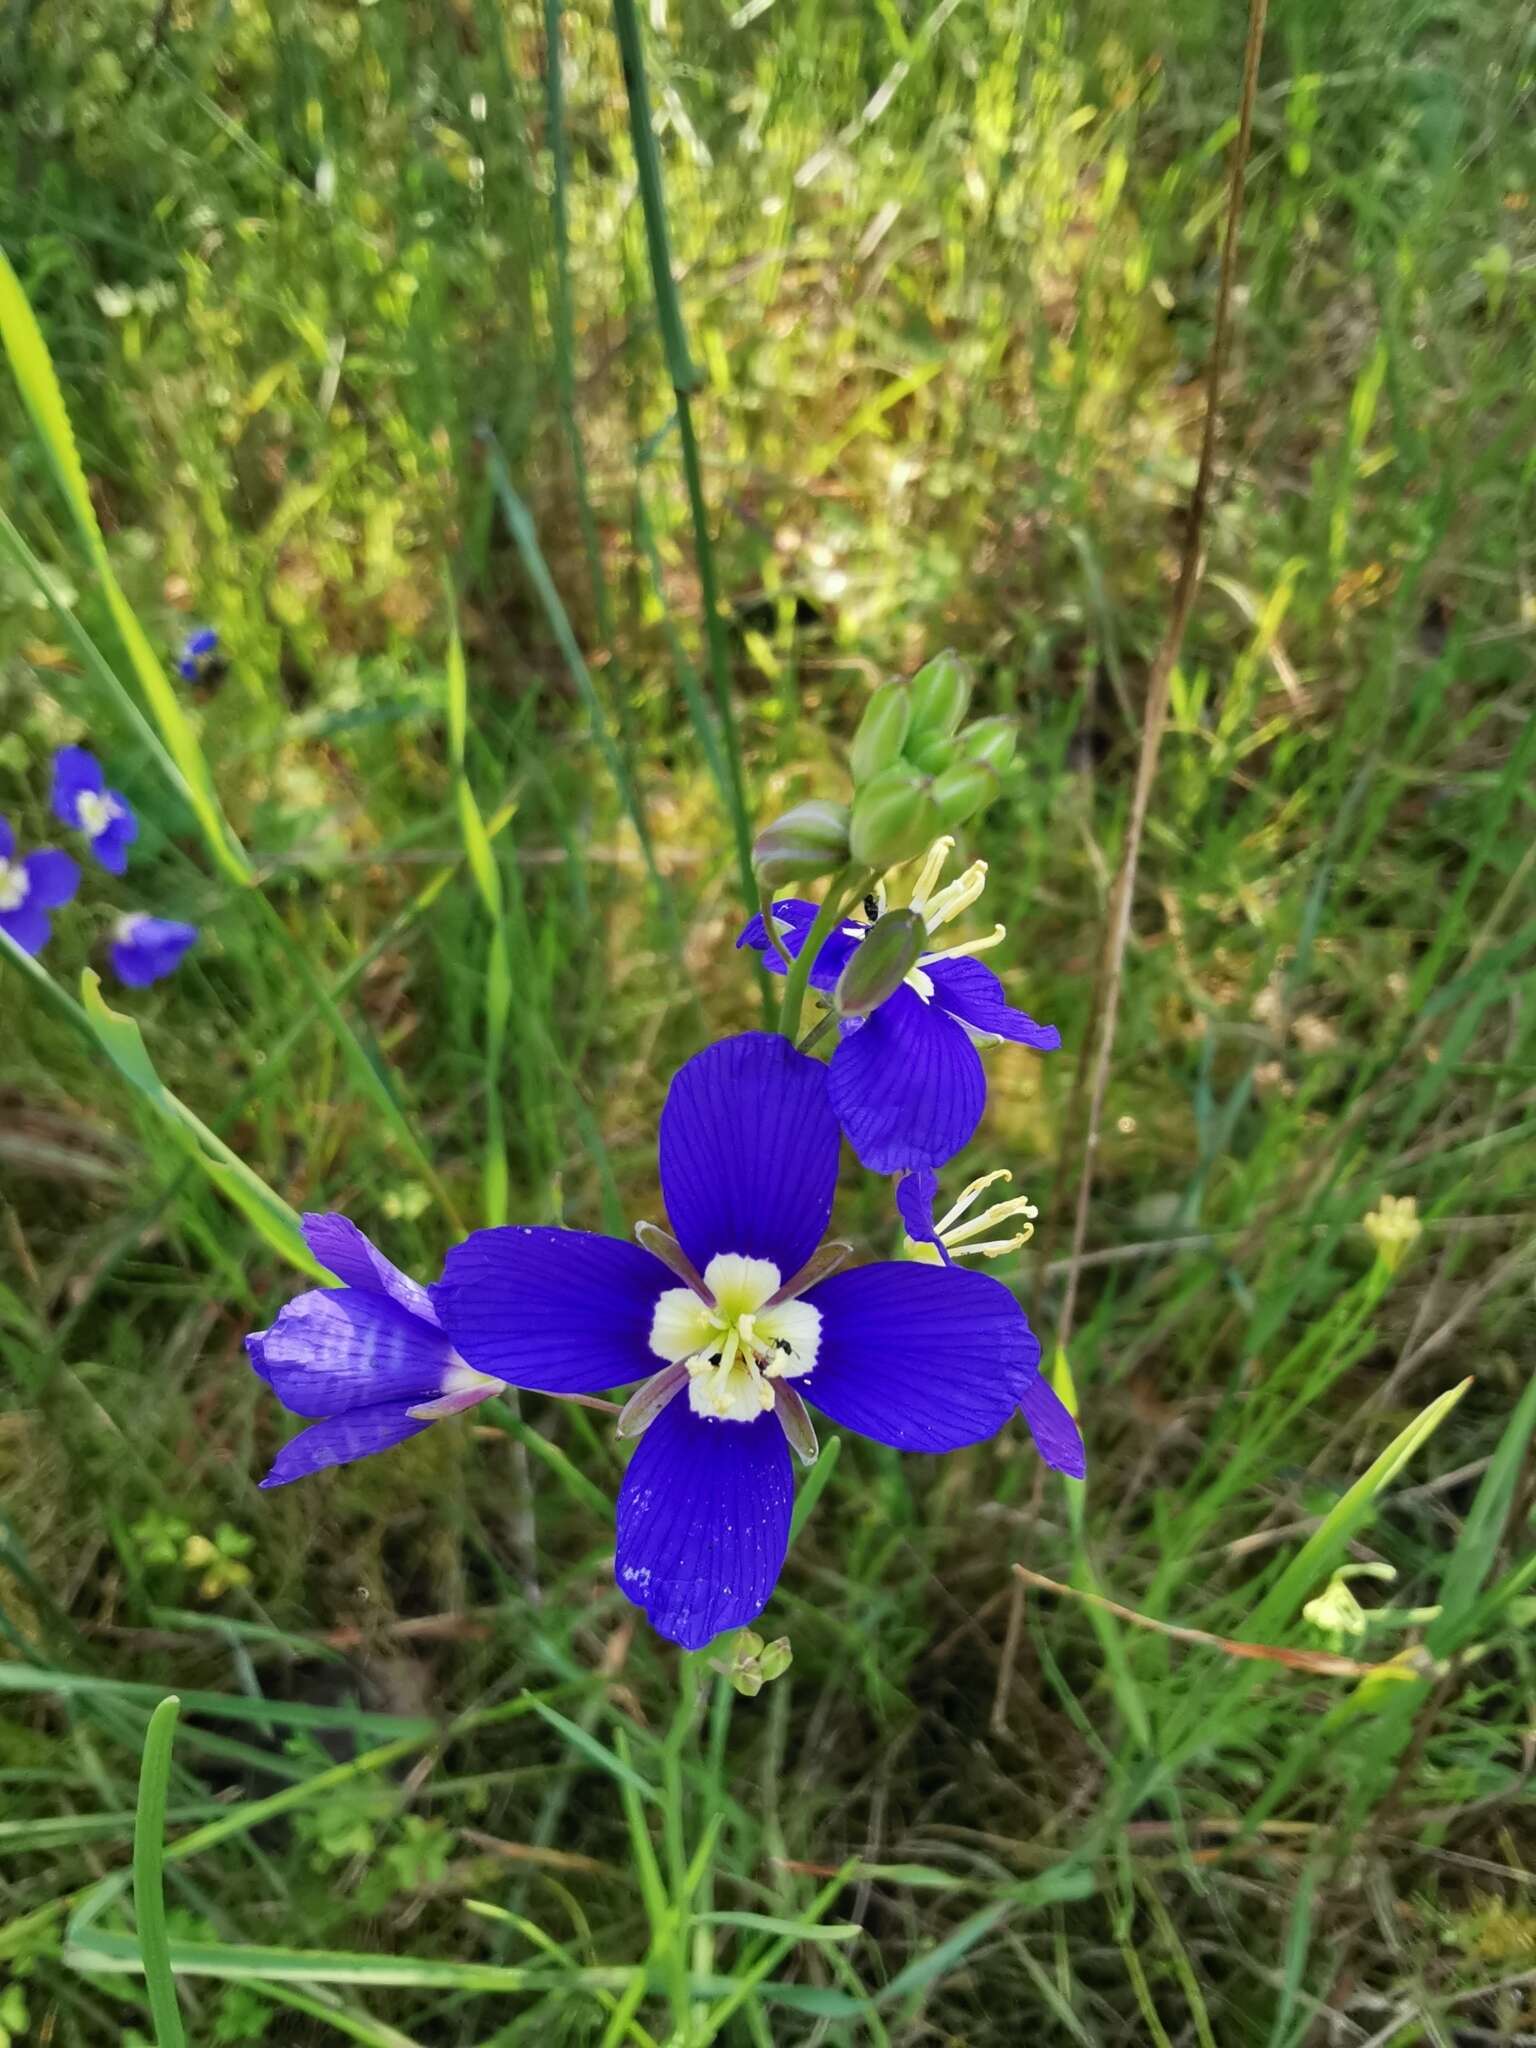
pixel 960 792
pixel 775 1659
pixel 810 840
pixel 893 819
pixel 941 694
pixel 992 740
pixel 882 732
pixel 754 1663
pixel 933 752
pixel 880 963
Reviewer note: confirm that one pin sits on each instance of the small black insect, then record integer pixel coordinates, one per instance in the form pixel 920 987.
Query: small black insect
pixel 871 908
pixel 783 1344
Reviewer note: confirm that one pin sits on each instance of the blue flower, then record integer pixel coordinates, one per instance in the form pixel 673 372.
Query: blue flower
pixel 82 801
pixel 742 1314
pixel 29 889
pixel 907 1081
pixel 146 949
pixel 368 1357
pixel 958 1236
pixel 199 653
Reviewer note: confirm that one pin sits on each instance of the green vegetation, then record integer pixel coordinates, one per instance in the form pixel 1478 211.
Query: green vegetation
pixel 351 308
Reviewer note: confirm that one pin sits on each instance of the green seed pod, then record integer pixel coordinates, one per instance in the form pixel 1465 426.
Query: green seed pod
pixel 993 740
pixel 882 732
pixel 933 752
pixel 774 1660
pixel 880 963
pixel 893 819
pixel 810 840
pixel 941 694
pixel 960 792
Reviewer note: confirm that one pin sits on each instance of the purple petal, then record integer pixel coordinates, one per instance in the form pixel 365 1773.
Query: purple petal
pixel 28 926
pixel 703 1522
pixel 926 1358
pixel 798 916
pixel 341 1439
pixel 76 773
pixel 968 989
pixel 149 948
pixel 915 1195
pixel 907 1085
pixel 203 641
pixel 748 1152
pixel 561 1311
pixel 335 1348
pixel 342 1249
pixel 52 878
pixel 7 839
pixel 1057 1436
pixel 111 845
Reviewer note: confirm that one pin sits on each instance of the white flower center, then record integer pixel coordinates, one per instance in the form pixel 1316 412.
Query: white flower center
pixel 935 907
pixel 13 885
pixel 736 1345
pixel 96 813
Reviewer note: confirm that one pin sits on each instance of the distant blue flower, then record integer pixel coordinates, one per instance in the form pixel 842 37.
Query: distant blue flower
pixel 368 1357
pixel 29 889
pixel 907 1081
pixel 918 1357
pixel 146 949
pixel 82 801
pixel 957 1235
pixel 198 653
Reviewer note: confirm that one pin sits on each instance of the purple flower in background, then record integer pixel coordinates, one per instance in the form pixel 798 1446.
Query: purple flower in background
pixel 29 889
pixel 742 1314
pixel 146 949
pixel 956 1235
pixel 82 800
pixel 907 1081
pixel 199 653
pixel 367 1357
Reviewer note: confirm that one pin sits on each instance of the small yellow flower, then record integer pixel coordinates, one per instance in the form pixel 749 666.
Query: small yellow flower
pixel 1394 1227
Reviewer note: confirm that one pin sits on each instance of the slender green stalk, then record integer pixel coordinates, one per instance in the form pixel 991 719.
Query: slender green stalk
pixel 149 1874
pixel 842 891
pixel 685 380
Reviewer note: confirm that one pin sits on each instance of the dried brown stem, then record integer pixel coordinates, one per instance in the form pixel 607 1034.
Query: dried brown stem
pixel 1101 1036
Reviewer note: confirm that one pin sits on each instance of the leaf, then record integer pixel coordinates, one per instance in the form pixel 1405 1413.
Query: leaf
pixel 39 386
pixel 149 1874
pixel 122 1041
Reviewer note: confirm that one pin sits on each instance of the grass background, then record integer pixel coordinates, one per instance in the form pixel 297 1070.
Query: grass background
pixel 351 308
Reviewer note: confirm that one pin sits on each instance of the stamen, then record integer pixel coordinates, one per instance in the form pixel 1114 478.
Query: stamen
pixel 959 895
pixel 968 1195
pixel 995 1248
pixel 966 947
pixel 1000 1212
pixel 932 868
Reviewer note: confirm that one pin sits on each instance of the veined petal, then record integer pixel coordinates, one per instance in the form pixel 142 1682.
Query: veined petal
pixel 341 1439
pixel 52 878
pixel 342 1249
pixel 336 1348
pixel 795 917
pixel 915 1196
pixel 560 1311
pixel 748 1152
pixel 76 773
pixel 1057 1436
pixel 907 1085
pixel 926 1358
pixel 968 989
pixel 703 1522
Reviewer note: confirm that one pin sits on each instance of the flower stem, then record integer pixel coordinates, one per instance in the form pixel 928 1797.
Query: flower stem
pixel 843 889
pixel 817 1032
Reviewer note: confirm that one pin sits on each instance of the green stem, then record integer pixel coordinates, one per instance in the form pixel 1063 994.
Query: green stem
pixel 685 379
pixel 817 1032
pixel 843 888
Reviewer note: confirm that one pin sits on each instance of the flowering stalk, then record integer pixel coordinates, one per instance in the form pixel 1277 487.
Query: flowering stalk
pixel 844 889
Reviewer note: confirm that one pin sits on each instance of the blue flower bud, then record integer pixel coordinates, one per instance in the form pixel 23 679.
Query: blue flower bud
pixel 880 963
